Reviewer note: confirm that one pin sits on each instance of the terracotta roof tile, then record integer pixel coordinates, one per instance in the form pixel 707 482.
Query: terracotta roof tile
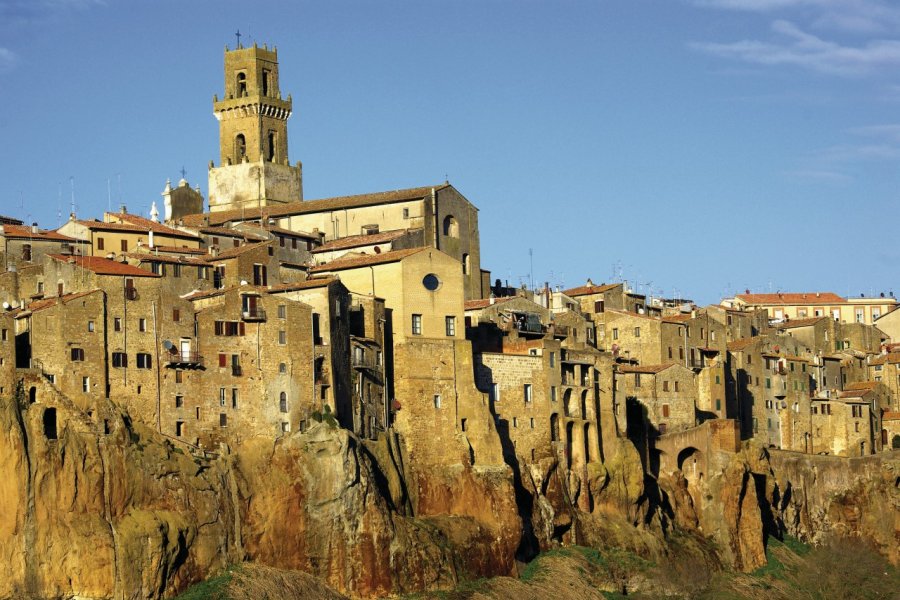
pixel 485 302
pixel 891 358
pixel 355 241
pixel 682 318
pixel 741 344
pixel 586 290
pixel 148 225
pixel 166 258
pixel 229 232
pixel 103 266
pixel 862 385
pixel 799 298
pixel 22 232
pixel 135 227
pixel 365 260
pixel 235 252
pixel 312 206
pixel 315 282
pixel 890 415
pixel 177 250
pixel 48 302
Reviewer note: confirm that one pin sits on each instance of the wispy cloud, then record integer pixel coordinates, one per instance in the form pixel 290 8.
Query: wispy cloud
pixel 856 16
pixel 27 11
pixel 8 60
pixel 804 50
pixel 820 176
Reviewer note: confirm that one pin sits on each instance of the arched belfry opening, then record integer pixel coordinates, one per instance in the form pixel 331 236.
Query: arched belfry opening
pixel 241 85
pixel 451 226
pixel 240 148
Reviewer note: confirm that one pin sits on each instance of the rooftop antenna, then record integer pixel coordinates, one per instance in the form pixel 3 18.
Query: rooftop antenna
pixel 237 34
pixel 119 181
pixel 108 196
pixel 58 204
pixel 72 183
pixel 531 265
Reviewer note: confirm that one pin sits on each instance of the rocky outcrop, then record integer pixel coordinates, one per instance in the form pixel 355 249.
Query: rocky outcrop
pixel 814 497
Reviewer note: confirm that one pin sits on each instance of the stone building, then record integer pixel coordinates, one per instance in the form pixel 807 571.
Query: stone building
pixel 120 233
pixel 23 245
pixel 805 305
pixel 692 339
pixel 254 170
pixel 629 335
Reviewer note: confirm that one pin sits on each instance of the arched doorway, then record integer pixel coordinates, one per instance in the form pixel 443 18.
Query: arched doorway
pixel 32 395
pixel 690 464
pixel 567 402
pixel 554 427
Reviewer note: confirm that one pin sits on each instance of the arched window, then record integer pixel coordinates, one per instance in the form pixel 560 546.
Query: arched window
pixel 240 148
pixel 241 86
pixel 271 146
pixel 451 227
pixel 282 402
pixel 466 264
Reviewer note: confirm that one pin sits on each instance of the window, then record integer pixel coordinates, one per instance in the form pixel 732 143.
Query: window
pixel 552 360
pixel 26 252
pixel 437 400
pixel 282 402
pixel 532 422
pixel 282 337
pixel 221 396
pixel 665 386
pixel 124 245
pixel 431 282
pixel 176 315
pixel 228 328
pixel 405 213
pixel 417 324
pixel 86 384
pixel 100 243
pixel 179 401
pixel 637 380
pixel 260 274
pixel 179 428
pixel 78 354
pixel 282 311
pixel 144 360
pixel 860 315
pixel 553 393
pixel 142 324
pixel 179 376
pixel 90 329
pixel 676 386
pixel 451 227
pixel 378 358
pixel 119 360
pixel 451 326
pixel 670 351
pixel 223 360
pixel 718 404
pixel 282 368
pixel 680 353
pixel 665 411
pixel 223 420
pixel 637 332
pixel 527 392
pixel 615 333
pixel 465 264
pixel 234 397
pixel 768 383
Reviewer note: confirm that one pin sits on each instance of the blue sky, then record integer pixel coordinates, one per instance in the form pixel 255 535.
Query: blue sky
pixel 694 146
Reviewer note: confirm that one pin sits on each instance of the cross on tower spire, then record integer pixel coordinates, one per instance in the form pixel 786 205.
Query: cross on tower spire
pixel 238 36
pixel 183 172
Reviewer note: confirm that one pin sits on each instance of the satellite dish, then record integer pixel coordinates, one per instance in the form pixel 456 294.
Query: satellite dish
pixel 169 346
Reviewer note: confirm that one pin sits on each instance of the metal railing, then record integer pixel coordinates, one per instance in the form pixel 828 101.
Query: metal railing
pixel 253 314
pixel 184 358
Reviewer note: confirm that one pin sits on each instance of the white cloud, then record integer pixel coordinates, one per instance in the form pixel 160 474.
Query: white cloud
pixel 820 176
pixel 8 60
pixel 800 49
pixel 853 16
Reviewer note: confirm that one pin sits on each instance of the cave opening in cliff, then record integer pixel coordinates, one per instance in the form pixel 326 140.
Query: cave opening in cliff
pixel 32 395
pixel 50 423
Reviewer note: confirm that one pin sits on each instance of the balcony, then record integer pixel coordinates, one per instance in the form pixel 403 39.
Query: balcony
pixel 131 293
pixel 184 359
pixel 236 371
pixel 561 331
pixel 363 362
pixel 253 314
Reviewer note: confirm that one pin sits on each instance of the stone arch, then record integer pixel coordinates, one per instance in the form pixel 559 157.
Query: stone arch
pixel 282 402
pixel 895 442
pixel 554 427
pixel 570 438
pixel 690 463
pixel 240 148
pixel 466 264
pixel 49 420
pixel 584 404
pixel 240 84
pixel 32 395
pixel 567 402
pixel 451 226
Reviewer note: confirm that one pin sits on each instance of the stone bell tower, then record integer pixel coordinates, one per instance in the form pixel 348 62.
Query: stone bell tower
pixel 254 170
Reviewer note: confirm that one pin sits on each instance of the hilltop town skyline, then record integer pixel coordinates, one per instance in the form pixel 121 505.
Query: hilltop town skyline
pixel 635 121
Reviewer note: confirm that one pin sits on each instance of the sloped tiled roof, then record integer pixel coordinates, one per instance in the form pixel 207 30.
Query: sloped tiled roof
pixel 862 385
pixel 312 206
pixel 150 225
pixel 741 344
pixel 315 282
pixel 792 298
pixel 586 290
pixel 355 241
pixel 889 415
pixel 485 302
pixel 682 318
pixel 166 258
pixel 103 266
pixel 365 260
pixel 892 358
pixel 235 252
pixel 177 250
pixel 229 232
pixel 22 232
pixel 48 302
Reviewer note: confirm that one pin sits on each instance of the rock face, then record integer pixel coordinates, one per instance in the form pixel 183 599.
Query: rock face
pixel 96 507
pixel 812 497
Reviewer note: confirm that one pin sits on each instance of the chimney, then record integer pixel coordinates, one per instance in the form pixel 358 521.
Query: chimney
pixel 492 299
pixel 123 210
